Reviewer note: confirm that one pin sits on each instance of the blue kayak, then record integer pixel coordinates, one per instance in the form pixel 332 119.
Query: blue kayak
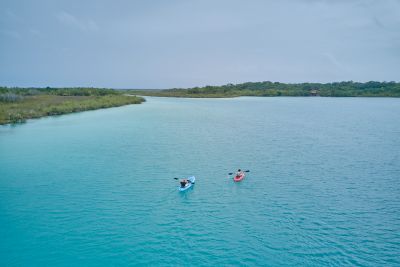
pixel 191 180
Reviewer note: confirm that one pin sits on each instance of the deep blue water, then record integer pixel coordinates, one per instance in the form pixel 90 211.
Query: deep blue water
pixel 97 189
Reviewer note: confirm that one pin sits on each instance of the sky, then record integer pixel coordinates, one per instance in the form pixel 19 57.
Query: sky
pixel 186 43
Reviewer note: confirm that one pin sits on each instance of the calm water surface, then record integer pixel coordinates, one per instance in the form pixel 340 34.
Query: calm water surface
pixel 97 189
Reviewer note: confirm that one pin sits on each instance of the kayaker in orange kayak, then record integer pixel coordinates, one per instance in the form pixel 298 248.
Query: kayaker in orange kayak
pixel 239 173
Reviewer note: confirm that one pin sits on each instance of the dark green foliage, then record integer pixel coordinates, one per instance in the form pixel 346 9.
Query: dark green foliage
pixel 337 89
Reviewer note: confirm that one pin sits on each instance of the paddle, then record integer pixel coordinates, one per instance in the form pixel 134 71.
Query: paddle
pixel 233 173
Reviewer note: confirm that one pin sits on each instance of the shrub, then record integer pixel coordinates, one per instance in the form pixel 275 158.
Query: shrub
pixel 10 98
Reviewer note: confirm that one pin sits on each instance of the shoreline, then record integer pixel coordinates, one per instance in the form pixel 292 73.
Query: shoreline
pixel 45 105
pixel 273 89
pixel 20 104
pixel 237 96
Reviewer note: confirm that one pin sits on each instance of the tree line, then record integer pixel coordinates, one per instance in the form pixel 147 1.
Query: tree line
pixel 267 88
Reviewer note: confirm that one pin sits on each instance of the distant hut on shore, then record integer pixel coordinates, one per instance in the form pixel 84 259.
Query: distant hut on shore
pixel 314 92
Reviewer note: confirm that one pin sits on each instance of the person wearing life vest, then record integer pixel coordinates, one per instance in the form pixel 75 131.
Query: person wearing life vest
pixel 239 173
pixel 184 182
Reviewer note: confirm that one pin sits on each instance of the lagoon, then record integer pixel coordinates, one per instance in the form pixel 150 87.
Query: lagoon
pixel 97 189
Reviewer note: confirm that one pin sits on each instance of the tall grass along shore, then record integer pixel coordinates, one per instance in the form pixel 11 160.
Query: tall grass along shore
pixel 19 104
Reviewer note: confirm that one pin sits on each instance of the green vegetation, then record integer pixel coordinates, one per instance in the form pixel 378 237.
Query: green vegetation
pixel 337 89
pixel 19 104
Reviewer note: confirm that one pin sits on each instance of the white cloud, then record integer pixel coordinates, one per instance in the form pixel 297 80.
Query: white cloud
pixel 333 60
pixel 10 15
pixel 9 33
pixel 34 32
pixel 72 21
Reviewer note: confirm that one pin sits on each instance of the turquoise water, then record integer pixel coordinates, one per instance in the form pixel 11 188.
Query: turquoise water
pixel 97 189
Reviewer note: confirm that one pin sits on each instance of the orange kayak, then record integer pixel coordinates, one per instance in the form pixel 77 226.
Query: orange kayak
pixel 238 178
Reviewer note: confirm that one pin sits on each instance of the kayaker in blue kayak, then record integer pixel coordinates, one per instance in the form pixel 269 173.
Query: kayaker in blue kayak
pixel 184 182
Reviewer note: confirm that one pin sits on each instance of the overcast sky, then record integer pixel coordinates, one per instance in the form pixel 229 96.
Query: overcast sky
pixel 183 43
